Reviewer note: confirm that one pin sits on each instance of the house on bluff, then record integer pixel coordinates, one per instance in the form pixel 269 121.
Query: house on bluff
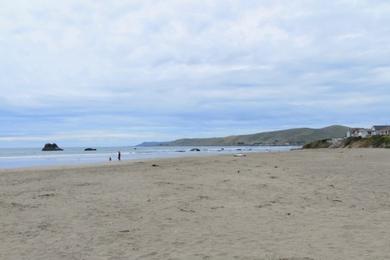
pixel 376 130
pixel 359 132
pixel 381 130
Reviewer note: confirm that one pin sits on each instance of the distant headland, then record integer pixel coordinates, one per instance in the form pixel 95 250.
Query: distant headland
pixel 292 137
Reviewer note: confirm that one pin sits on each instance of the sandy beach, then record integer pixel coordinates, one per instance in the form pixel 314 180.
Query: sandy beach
pixel 317 204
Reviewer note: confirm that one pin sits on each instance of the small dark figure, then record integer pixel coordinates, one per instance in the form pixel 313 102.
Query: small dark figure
pixel 119 156
pixel 110 159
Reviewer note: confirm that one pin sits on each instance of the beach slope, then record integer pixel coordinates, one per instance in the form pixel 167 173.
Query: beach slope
pixel 317 204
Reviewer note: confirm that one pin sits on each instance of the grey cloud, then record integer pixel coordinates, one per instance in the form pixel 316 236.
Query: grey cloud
pixel 264 64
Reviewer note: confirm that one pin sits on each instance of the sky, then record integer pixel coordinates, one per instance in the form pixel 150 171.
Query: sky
pixel 119 72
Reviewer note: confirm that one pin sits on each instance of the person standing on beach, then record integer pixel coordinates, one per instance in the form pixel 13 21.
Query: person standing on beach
pixel 119 156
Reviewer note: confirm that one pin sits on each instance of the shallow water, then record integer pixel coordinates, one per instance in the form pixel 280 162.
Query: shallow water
pixel 27 157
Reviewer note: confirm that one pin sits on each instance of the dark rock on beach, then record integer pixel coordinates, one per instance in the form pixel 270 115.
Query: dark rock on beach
pixel 89 149
pixel 195 150
pixel 51 147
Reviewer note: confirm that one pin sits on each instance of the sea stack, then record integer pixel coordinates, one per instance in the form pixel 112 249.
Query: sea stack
pixel 51 147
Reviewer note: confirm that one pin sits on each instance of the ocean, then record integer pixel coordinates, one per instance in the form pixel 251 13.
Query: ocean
pixel 34 157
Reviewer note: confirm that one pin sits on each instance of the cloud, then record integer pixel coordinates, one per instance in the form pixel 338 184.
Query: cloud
pixel 180 68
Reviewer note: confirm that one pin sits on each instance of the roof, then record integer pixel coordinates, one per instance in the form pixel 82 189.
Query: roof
pixel 381 127
pixel 359 129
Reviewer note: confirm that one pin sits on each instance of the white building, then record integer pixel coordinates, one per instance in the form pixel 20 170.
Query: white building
pixel 381 130
pixel 359 132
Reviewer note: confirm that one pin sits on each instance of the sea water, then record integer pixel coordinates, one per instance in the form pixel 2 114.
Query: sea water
pixel 29 157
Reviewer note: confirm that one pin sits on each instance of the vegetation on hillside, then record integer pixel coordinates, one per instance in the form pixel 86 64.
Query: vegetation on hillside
pixel 298 136
pixel 351 142
pixel 324 143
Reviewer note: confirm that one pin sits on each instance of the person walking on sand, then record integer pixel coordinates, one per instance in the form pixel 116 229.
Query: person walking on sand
pixel 119 156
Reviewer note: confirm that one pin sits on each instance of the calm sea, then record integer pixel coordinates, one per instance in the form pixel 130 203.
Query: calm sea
pixel 28 157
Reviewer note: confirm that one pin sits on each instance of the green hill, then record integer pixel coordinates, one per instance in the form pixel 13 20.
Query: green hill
pixel 297 136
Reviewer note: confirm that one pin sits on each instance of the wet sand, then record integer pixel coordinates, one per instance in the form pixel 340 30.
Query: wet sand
pixel 317 204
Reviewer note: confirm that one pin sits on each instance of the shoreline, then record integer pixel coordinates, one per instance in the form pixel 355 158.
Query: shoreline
pixel 128 162
pixel 124 160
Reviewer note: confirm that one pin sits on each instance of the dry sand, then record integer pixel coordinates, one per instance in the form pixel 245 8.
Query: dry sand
pixel 322 204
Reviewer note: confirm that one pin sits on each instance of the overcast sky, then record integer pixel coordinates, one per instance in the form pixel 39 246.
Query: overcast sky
pixel 118 72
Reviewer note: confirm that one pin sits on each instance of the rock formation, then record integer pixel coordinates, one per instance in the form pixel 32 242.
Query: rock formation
pixel 51 147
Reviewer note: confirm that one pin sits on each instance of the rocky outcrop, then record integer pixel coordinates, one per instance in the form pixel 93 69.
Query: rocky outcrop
pixel 51 147
pixel 89 149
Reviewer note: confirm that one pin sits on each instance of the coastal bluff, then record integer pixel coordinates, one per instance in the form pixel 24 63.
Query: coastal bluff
pixel 351 142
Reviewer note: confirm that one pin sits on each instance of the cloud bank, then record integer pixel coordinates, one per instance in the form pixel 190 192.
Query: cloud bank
pixel 127 71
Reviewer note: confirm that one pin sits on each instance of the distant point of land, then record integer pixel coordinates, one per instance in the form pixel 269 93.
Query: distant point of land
pixel 296 136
